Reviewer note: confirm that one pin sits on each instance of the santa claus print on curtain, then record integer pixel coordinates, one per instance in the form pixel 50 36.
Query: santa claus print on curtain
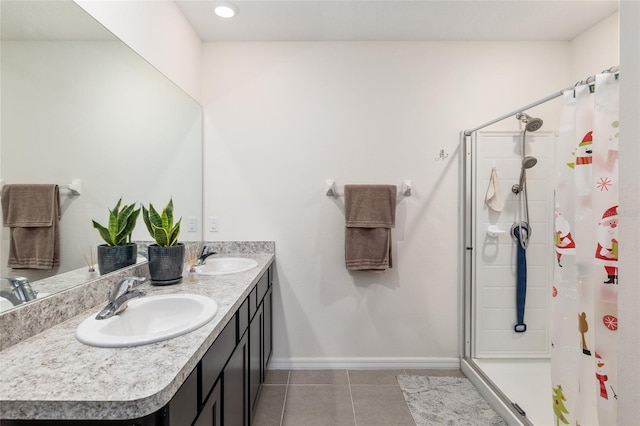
pixel 585 284
pixel 607 249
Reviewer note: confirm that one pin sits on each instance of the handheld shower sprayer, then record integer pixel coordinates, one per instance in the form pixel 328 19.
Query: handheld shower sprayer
pixel 527 163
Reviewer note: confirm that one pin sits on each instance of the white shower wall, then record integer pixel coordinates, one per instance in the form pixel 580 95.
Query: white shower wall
pixel 495 258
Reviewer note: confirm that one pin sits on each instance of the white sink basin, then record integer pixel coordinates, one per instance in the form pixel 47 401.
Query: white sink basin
pixel 148 319
pixel 225 265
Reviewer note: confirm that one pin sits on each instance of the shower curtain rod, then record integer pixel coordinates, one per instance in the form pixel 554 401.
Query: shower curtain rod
pixel 554 95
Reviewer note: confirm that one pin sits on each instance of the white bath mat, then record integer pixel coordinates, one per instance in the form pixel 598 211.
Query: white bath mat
pixel 439 401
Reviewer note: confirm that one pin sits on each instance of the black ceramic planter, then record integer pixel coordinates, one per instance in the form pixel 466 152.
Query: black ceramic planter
pixel 166 264
pixel 117 257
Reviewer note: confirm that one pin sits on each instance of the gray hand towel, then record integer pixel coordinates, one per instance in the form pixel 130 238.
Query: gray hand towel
pixel 32 214
pixel 370 213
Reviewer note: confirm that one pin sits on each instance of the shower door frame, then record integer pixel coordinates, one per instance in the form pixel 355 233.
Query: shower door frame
pixel 499 401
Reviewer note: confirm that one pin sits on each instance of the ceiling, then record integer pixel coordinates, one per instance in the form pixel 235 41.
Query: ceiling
pixel 398 20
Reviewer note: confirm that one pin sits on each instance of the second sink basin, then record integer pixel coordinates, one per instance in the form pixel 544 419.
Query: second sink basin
pixel 147 320
pixel 225 265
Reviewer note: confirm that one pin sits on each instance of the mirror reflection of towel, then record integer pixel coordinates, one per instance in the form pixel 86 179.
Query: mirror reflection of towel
pixel 31 212
pixel 370 213
pixel 494 198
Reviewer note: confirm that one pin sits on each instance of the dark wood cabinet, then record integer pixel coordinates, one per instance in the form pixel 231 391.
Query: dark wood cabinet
pixel 235 391
pixel 267 330
pixel 183 408
pixel 216 357
pixel 225 386
pixel 211 413
pixel 255 357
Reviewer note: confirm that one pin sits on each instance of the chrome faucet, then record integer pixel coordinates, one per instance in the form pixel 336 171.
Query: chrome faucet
pixel 119 297
pixel 20 291
pixel 203 256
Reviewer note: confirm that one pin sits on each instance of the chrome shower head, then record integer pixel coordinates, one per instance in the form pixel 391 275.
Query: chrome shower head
pixel 528 162
pixel 531 124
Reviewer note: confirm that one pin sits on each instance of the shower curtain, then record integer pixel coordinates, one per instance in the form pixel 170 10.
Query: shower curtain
pixel 585 284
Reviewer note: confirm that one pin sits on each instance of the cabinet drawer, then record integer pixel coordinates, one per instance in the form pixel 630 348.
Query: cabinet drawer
pixel 216 357
pixel 263 286
pixel 183 408
pixel 243 319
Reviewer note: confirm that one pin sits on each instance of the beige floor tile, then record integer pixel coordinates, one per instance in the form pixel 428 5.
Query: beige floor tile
pixel 380 406
pixel 374 377
pixel 276 377
pixel 318 406
pixel 435 372
pixel 270 403
pixel 318 377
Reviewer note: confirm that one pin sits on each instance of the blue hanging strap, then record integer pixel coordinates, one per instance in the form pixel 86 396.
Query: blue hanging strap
pixel 521 265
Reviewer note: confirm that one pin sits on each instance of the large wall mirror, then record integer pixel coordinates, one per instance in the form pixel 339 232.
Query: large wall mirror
pixel 77 103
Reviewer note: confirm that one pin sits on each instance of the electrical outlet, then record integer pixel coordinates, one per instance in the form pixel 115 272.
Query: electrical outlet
pixel 213 224
pixel 192 224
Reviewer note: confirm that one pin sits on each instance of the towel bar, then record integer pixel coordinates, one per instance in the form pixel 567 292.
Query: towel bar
pixel 330 189
pixel 74 188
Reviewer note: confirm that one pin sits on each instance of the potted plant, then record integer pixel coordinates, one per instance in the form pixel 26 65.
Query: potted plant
pixel 166 256
pixel 119 251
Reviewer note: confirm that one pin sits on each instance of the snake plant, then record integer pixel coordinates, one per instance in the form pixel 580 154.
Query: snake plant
pixel 121 225
pixel 161 226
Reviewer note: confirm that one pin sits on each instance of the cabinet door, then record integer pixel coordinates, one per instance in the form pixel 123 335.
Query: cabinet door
pixel 216 357
pixel 255 357
pixel 183 408
pixel 211 414
pixel 235 383
pixel 267 330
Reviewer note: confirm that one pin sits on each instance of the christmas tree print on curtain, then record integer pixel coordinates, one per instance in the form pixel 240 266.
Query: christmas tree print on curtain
pixel 585 284
pixel 559 410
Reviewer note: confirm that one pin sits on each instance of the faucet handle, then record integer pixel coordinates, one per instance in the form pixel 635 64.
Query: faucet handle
pixel 123 286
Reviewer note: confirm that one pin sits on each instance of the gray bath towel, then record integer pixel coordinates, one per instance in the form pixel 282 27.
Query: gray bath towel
pixel 370 213
pixel 32 214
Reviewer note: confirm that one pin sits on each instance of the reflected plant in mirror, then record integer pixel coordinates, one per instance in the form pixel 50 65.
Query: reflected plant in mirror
pixel 92 109
pixel 118 252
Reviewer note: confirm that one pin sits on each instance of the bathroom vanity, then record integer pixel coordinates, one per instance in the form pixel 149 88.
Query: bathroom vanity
pixel 215 370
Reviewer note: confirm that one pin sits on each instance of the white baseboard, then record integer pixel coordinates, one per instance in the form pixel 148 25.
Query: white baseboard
pixel 363 363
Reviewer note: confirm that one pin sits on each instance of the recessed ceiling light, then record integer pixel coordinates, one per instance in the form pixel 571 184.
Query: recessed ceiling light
pixel 225 9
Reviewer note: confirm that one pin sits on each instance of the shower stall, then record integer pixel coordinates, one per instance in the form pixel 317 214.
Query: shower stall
pixel 510 255
pixel 512 268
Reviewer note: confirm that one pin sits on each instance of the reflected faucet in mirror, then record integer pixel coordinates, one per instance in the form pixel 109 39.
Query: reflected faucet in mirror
pixel 19 290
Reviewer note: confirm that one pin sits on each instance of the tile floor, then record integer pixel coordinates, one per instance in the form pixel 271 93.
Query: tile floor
pixel 336 398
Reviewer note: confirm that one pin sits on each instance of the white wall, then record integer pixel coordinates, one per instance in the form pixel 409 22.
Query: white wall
pixel 159 32
pixel 595 49
pixel 280 118
pixel 494 262
pixel 629 292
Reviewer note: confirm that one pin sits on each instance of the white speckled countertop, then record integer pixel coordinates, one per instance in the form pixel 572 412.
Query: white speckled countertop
pixel 53 376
